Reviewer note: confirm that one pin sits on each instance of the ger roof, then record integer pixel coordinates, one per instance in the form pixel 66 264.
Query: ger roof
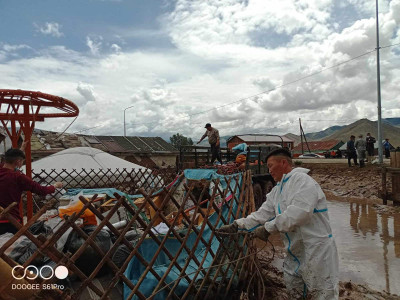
pixel 83 158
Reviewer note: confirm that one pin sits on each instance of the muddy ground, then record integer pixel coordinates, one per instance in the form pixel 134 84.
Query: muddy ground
pixel 340 183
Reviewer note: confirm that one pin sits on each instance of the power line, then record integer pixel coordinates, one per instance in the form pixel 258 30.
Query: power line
pixel 274 88
pixel 388 46
pixel 76 132
pixel 264 92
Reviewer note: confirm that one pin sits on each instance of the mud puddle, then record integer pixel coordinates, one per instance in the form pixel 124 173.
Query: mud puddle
pixel 368 242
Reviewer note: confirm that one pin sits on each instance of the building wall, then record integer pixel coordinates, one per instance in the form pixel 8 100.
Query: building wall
pixel 234 141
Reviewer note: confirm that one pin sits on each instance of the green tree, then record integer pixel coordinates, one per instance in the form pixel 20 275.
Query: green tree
pixel 178 140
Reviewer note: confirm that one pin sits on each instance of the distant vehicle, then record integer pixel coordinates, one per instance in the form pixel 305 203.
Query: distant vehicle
pixel 311 155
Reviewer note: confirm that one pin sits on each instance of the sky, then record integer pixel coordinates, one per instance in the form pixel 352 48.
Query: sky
pixel 251 66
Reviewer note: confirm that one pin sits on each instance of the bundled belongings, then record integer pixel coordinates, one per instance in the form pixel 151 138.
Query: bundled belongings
pixel 89 259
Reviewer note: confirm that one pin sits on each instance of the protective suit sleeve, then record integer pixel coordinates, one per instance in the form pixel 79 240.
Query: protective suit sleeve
pixel 302 198
pixel 265 213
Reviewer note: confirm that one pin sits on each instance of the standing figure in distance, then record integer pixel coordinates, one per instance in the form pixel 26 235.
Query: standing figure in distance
pixel 351 151
pixel 386 146
pixel 361 146
pixel 370 147
pixel 213 139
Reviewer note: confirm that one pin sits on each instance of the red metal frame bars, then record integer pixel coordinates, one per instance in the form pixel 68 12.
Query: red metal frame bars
pixel 38 99
pixel 24 107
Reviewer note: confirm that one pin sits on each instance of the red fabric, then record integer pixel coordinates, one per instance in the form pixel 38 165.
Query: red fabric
pixel 13 184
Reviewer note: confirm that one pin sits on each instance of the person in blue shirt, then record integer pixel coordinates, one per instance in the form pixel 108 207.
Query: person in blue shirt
pixel 386 146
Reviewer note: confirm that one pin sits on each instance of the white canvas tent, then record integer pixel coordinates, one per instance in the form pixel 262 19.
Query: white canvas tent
pixel 98 166
pixel 83 158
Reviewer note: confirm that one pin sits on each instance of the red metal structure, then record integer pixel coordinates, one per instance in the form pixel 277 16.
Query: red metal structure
pixel 26 108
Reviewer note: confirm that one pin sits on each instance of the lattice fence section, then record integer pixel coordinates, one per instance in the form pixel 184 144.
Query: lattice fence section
pixel 189 260
pixel 127 181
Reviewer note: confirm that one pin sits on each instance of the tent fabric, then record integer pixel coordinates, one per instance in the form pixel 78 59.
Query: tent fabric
pixel 83 158
pixel 241 148
pixel 149 247
pixel 108 191
pixel 198 174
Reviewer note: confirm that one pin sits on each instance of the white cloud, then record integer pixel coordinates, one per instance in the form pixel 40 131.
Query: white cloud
pixel 50 28
pixel 219 59
pixel 10 48
pixel 87 91
pixel 94 43
pixel 115 48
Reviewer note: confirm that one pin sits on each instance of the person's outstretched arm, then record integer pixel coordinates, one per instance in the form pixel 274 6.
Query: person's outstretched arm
pixel 202 138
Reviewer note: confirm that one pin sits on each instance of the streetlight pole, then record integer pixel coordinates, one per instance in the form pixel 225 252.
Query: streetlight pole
pixel 378 74
pixel 124 119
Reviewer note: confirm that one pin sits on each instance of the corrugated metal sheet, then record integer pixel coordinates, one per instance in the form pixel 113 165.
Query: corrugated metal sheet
pixel 105 143
pixel 111 144
pixel 165 145
pixel 125 143
pixel 92 140
pixel 139 143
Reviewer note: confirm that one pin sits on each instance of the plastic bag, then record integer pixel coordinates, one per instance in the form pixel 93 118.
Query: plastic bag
pixel 90 258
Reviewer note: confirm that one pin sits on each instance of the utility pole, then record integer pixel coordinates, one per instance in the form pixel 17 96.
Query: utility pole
pixel 305 139
pixel 124 119
pixel 378 74
pixel 301 137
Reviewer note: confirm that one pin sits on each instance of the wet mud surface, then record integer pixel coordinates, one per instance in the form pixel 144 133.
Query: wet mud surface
pixel 367 233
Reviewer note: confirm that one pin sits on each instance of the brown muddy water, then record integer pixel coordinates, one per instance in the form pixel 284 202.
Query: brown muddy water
pixel 368 243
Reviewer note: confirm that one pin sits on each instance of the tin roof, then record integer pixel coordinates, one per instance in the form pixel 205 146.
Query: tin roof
pixel 319 145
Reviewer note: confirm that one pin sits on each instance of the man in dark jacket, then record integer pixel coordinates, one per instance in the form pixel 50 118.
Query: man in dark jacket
pixel 370 147
pixel 351 151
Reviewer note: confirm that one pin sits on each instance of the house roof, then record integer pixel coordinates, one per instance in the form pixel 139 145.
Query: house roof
pixel 262 138
pixel 132 143
pixel 319 145
pixel 43 140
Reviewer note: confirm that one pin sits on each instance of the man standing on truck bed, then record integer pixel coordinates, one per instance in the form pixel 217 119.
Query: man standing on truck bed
pixel 213 138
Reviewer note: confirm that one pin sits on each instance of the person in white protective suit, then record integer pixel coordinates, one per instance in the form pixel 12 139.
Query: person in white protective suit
pixel 297 208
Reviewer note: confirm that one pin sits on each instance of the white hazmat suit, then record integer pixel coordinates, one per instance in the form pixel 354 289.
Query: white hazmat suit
pixel 297 208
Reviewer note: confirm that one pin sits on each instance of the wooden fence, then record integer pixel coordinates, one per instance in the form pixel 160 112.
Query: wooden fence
pixel 189 260
pixel 126 180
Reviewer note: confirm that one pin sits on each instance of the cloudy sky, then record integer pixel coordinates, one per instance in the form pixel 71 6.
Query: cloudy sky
pixel 253 66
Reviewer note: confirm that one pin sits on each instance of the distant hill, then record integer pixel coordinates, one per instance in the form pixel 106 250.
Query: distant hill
pixel 315 136
pixel 392 121
pixel 364 126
